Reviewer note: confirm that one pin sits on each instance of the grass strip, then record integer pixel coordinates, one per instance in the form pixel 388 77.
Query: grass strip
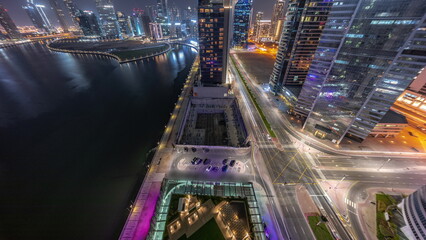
pixel 321 231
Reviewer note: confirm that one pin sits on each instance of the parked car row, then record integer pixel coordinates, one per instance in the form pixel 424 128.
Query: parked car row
pixel 210 168
pixel 231 163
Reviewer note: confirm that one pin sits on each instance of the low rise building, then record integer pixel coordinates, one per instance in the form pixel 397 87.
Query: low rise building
pixel 390 125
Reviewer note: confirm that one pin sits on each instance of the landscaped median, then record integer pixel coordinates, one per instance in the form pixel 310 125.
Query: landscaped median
pixel 254 100
pixel 319 228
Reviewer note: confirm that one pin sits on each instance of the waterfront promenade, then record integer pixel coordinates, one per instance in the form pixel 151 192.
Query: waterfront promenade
pixel 139 220
pixel 124 56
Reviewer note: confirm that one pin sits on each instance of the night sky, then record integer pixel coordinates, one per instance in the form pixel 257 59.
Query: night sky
pixel 126 6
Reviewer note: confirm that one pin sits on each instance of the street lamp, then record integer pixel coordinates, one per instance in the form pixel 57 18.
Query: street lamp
pixel 341 180
pixel 384 164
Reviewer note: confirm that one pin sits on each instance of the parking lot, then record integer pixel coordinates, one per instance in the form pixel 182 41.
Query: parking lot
pixel 212 169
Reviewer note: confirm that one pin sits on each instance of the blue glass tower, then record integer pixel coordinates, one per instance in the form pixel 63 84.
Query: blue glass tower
pixel 368 54
pixel 242 19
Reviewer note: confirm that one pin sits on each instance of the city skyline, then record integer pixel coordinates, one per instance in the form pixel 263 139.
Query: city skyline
pixel 124 6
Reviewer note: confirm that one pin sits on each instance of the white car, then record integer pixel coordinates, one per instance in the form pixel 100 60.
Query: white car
pixel 209 168
pixel 268 136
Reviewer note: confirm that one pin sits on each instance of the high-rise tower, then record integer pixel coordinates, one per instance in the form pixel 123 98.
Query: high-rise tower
pixel 38 16
pixel 214 30
pixel 125 25
pixel 8 24
pixel 278 16
pixel 88 23
pixel 242 19
pixel 72 10
pixel 256 26
pixel 59 14
pixel 369 53
pixel 301 32
pixel 107 17
pixel 162 10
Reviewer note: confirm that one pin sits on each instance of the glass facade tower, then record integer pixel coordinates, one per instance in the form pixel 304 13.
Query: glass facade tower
pixel 72 10
pixel 369 53
pixel 38 16
pixel 88 23
pixel 302 30
pixel 278 16
pixel 214 30
pixel 59 14
pixel 242 19
pixel 8 24
pixel 107 17
pixel 256 26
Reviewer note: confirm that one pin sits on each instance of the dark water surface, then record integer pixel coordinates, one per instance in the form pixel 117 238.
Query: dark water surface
pixel 74 133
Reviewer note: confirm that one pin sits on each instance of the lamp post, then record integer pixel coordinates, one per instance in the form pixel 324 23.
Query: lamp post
pixel 384 164
pixel 343 178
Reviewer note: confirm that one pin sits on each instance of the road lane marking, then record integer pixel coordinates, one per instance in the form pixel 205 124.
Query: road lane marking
pixel 291 160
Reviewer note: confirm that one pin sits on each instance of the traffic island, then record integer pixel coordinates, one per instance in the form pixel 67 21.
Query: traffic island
pixel 319 228
pixel 254 101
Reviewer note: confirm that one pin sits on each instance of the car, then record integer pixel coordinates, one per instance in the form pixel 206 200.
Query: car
pixel 199 160
pixel 232 163
pixel 207 161
pixel 225 168
pixel 185 149
pixel 215 169
pixel 268 136
pixel 209 168
pixel 194 160
pixel 193 149
pixel 225 161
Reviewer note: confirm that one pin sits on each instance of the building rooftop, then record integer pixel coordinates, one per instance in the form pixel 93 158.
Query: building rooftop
pixel 393 117
pixel 213 122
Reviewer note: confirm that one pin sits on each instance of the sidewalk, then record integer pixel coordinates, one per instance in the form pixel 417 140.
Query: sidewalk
pixel 138 222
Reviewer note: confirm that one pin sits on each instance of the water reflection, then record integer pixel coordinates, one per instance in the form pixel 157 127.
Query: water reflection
pixel 74 133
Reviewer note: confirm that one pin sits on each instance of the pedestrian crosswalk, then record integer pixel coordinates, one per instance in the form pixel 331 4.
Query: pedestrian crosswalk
pixel 350 203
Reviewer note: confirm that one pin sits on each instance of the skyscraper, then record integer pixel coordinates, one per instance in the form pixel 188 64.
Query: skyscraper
pixel 242 19
pixel 59 14
pixel 264 30
pixel 299 40
pixel 107 17
pixel 214 30
pixel 162 10
pixel 38 16
pixel 125 25
pixel 136 21
pixel 368 54
pixel 151 11
pixel 88 23
pixel 278 16
pixel 414 213
pixel 256 25
pixel 8 24
pixel 72 10
pixel 189 13
pixel 145 24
